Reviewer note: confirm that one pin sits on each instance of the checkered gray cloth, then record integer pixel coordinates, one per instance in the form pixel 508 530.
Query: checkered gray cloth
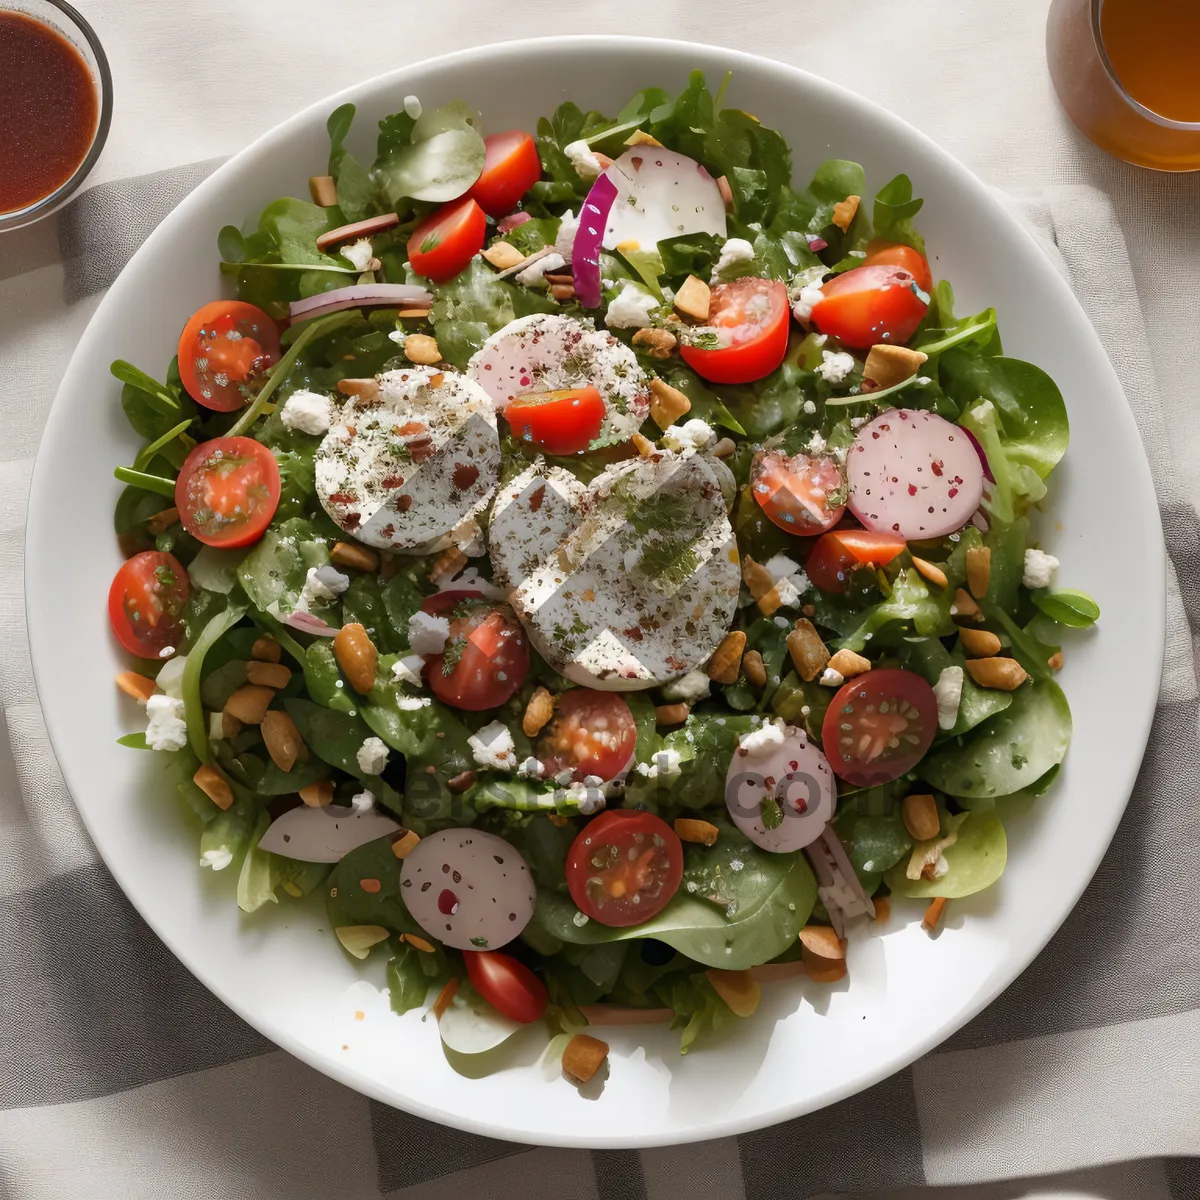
pixel 121 1076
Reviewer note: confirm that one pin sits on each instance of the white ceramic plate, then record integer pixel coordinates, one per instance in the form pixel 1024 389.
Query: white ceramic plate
pixel 808 1046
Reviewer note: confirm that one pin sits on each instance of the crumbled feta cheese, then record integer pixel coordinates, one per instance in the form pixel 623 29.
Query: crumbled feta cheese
pixel 768 735
pixel 399 336
pixel 790 581
pixel 689 437
pixel 831 678
pixel 408 670
pixel 948 694
pixel 805 302
pixel 534 275
pixel 858 422
pixel 216 727
pixel 412 107
pixel 816 443
pixel 586 797
pixel 983 411
pixel 411 703
pixel 835 366
pixel 788 593
pixel 734 251
pixel 493 747
pixel 170 677
pixel 427 633
pixel 564 240
pixel 632 557
pixel 372 756
pixel 586 164
pixel 362 802
pixel 1039 569
pixel 531 768
pixel 324 584
pixel 307 411
pixel 630 308
pixel 579 920
pixel 781 566
pixel 688 689
pixel 359 253
pixel 664 765
pixel 809 407
pixel 165 727
pixel 217 860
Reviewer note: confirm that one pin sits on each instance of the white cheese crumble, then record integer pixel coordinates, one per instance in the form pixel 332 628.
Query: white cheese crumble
pixel 688 689
pixel 630 308
pixel 412 703
pixel 768 735
pixel 588 798
pixel 165 727
pixel 1039 569
pixel 408 670
pixel 790 581
pixel 307 411
pixel 372 756
pixel 324 584
pixel 413 107
pixel 982 412
pixel 835 366
pixel 664 765
pixel 493 747
pixel 531 768
pixel 170 677
pixel 733 252
pixel 948 694
pixel 809 407
pixel 831 678
pixel 805 302
pixel 689 437
pixel 427 633
pixel 788 593
pixel 816 443
pixel 217 860
pixel 359 253
pixel 534 275
pixel 362 802
pixel 586 164
pixel 564 240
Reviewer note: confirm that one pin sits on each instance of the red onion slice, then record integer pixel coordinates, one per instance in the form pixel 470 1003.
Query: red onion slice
pixel 585 252
pixel 362 295
pixel 307 623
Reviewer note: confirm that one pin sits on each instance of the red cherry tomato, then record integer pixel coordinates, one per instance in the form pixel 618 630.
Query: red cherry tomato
pixel 592 733
pixel 878 726
pixel 624 867
pixel 486 657
pixel 509 986
pixel 146 603
pixel 224 348
pixel 563 422
pixel 838 552
pixel 869 305
pixel 754 314
pixel 510 169
pixel 443 243
pixel 897 254
pixel 794 492
pixel 228 491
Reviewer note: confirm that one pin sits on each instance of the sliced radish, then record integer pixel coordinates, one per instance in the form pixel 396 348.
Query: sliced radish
pixel 913 473
pixel 469 1025
pixel 779 788
pixel 324 835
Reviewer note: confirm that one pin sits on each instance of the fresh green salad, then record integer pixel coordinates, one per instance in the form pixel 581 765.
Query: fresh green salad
pixel 597 565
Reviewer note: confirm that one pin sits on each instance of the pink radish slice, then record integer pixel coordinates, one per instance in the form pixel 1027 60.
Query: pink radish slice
pixel 585 252
pixel 324 834
pixel 913 473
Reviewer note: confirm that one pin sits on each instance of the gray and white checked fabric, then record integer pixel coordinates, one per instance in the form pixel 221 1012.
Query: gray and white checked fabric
pixel 121 1076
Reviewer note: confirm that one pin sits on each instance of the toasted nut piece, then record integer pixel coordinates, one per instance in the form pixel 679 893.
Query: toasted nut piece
pixel 639 137
pixel 416 312
pixel 671 714
pixel 933 914
pixel 643 445
pixel 350 554
pixel 249 704
pixel 323 190
pixel 538 712
pixel 272 675
pixel 282 739
pixel 357 656
pixel 318 795
pixel 759 581
pixel 230 726
pixel 162 521
pixel 883 909
pixel 447 564
pixel 356 230
pixel 848 664
pixel 724 448
pixel 809 654
pixel 658 343
pixel 402 847
pixel 964 606
pixel 979 643
pixel 368 389
pixel 726 192
pixel 583 1057
pixel 809 610
pixel 629 246
pixel 770 603
pixel 461 782
pixel 754 668
pixel 1055 661
pixel 888 365
pixel 266 649
pixel 979 570
pixel 214 785
pixel 820 969
pixel 422 349
pixel 358 939
pixel 418 943
pixel 844 212
pixel 503 255
pixel 557 819
pixel 726 662
pixel 739 989
pixel 930 571
pixel 445 997
pixel 920 816
pixel 694 299
pixel 371 886
pixel 135 685
pixel 823 941
pixel 666 403
pixel 562 291
pixel 1003 674
pixel 688 829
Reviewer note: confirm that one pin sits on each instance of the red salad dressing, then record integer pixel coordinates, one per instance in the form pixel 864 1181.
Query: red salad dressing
pixel 48 110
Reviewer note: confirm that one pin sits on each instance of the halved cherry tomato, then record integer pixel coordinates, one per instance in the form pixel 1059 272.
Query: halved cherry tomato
pixel 897 254
pixel 509 986
pixel 838 552
pixel 486 657
pixel 228 491
pixel 511 167
pixel 754 314
pixel 562 422
pixel 224 348
pixel 869 305
pixel 794 492
pixel 443 243
pixel 146 603
pixel 624 867
pixel 591 733
pixel 878 726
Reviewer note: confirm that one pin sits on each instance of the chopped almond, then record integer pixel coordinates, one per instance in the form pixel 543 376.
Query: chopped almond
pixel 418 943
pixel 920 816
pixel 667 404
pixel 538 712
pixel 135 685
pixel 583 1057
pixel 358 558
pixel 883 909
pixel 823 941
pixel 726 662
pixel 323 190
pixel 930 571
pixel 822 970
pixel 671 714
pixel 282 739
pixel 444 997
pixel 214 785
pixel 403 845
pixel 250 703
pixel 964 606
pixel 658 343
pixel 888 365
pixel 703 833
pixel 979 570
pixel 272 675
pixel 421 349
pixel 503 255
pixel 933 914
pixel 809 653
pixel 979 643
pixel 1002 674
pixel 754 668
pixel 643 445
pixel 318 795
pixel 1055 661
pixel 848 664
pixel 266 649
pixel 694 299
pixel 639 137
pixel 844 212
